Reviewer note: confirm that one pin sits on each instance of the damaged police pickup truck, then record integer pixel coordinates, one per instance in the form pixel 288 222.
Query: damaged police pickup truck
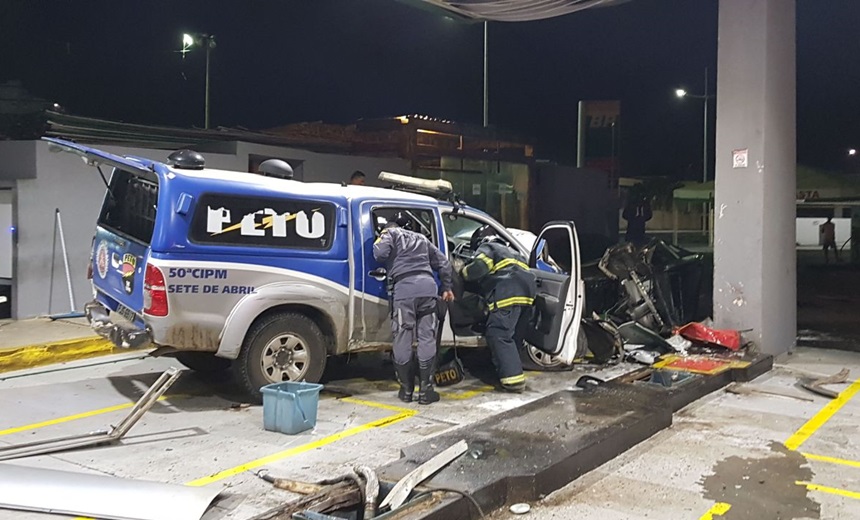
pixel 268 276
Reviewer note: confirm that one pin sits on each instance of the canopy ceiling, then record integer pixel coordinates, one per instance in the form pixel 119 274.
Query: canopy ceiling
pixel 510 10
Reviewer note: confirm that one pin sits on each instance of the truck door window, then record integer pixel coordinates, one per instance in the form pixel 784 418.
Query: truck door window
pixel 130 205
pixel 459 230
pixel 419 220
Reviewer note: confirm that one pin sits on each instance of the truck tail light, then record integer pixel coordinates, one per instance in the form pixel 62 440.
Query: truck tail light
pixel 154 292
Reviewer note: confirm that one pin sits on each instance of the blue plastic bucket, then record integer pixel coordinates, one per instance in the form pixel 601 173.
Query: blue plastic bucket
pixel 290 407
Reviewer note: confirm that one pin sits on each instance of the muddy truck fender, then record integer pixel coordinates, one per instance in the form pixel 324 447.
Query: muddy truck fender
pixel 327 308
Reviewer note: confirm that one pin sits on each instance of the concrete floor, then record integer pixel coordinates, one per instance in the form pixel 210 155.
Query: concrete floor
pixel 195 437
pixel 731 449
pixel 726 449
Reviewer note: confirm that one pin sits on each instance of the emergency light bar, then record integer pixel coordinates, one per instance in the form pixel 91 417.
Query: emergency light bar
pixel 433 187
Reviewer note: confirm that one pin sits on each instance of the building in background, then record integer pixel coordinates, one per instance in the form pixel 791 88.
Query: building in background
pixel 490 169
pixel 598 138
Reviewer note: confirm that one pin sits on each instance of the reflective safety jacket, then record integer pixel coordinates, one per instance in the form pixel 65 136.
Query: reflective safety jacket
pixel 504 276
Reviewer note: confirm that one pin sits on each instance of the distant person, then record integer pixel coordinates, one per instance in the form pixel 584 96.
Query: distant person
pixel 637 213
pixel 358 178
pixel 828 239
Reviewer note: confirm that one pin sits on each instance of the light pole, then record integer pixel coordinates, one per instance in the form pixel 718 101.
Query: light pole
pixel 681 93
pixel 208 42
pixel 486 76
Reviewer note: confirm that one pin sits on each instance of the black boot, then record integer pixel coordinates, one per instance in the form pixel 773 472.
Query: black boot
pixel 426 371
pixel 406 377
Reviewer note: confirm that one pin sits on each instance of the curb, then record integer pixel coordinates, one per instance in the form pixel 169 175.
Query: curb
pixel 30 356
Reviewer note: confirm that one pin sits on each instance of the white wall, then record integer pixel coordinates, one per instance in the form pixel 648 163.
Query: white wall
pixel 63 181
pixel 6 233
pixel 807 231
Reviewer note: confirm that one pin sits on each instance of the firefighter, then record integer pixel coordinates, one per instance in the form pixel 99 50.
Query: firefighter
pixel 410 260
pixel 509 289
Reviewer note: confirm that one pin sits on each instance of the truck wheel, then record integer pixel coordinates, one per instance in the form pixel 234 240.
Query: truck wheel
pixel 280 347
pixel 204 362
pixel 538 360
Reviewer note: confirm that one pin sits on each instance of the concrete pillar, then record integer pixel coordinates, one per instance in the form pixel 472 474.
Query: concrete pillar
pixel 755 262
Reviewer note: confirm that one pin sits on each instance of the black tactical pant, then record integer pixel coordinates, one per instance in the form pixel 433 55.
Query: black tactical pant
pixel 504 334
pixel 414 320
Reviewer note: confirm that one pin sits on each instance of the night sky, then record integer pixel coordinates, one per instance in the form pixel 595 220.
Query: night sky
pixel 284 61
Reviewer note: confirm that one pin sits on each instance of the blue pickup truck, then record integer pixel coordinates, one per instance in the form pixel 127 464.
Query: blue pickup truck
pixel 268 276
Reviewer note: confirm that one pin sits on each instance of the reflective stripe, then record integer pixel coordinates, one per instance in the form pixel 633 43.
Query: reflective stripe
pixel 509 262
pixel 487 260
pixel 513 380
pixel 516 300
pixel 482 257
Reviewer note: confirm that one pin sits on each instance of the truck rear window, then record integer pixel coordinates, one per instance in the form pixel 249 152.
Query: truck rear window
pixel 130 205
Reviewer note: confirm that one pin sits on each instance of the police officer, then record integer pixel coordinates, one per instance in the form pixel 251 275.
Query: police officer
pixel 410 259
pixel 509 288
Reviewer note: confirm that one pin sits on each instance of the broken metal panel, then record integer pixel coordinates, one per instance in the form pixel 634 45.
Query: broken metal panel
pixel 404 487
pixel 99 496
pixel 100 437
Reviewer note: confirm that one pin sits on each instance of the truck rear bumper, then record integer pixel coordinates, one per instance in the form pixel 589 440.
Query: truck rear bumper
pixel 120 334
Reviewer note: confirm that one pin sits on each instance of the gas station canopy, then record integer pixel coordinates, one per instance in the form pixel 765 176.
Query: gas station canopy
pixel 509 10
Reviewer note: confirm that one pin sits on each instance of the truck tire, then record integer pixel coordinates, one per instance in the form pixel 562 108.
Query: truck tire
pixel 280 347
pixel 203 362
pixel 539 361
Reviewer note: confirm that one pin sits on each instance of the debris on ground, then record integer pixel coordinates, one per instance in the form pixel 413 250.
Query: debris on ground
pixel 101 437
pixel 740 389
pixel 404 487
pixel 359 491
pixel 327 496
pixel 658 292
pixel 817 385
pixel 100 496
pixel 699 333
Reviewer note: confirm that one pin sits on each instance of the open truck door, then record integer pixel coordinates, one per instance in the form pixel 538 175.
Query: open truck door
pixel 560 297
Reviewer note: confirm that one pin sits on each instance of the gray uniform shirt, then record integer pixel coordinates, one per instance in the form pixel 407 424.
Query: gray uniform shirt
pixel 411 260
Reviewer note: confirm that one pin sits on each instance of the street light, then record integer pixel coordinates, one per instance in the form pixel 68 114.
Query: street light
pixel 852 151
pixel 682 93
pixel 206 41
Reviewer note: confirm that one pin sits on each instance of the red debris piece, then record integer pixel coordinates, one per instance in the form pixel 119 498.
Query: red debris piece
pixel 730 339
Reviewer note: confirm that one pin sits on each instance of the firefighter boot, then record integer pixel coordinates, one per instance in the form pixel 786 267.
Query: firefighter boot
pixel 406 377
pixel 426 371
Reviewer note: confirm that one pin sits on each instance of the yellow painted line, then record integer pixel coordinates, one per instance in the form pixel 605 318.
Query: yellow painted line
pixel 466 394
pixel 31 356
pixel 447 394
pixel 718 509
pixel 75 417
pixel 404 413
pixel 831 490
pixel 381 406
pixel 832 460
pixel 818 420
